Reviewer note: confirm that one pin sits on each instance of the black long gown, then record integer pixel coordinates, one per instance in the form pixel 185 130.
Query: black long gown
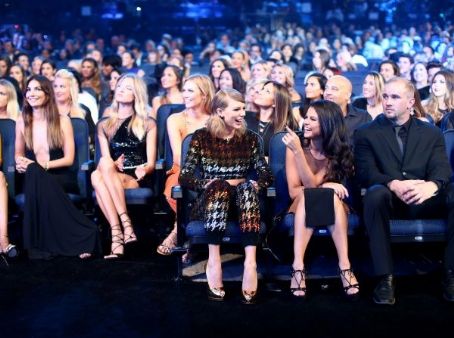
pixel 53 226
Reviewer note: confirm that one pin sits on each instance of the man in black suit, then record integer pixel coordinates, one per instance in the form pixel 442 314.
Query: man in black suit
pixel 403 164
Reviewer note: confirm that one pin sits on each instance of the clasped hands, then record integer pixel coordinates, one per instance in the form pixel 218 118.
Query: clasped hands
pixel 22 163
pixel 413 191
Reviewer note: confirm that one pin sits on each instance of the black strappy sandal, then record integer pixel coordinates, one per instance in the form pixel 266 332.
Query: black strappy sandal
pixel 117 242
pixel 300 277
pixel 347 275
pixel 131 238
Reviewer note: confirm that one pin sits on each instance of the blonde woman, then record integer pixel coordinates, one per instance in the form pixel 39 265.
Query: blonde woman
pixel 127 139
pixel 441 99
pixel 373 86
pixel 198 92
pixel 224 152
pixel 240 61
pixel 253 87
pixel 261 70
pixel 66 92
pixel 283 74
pixel 9 106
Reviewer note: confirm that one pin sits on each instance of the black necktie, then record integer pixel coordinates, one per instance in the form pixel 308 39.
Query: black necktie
pixel 401 136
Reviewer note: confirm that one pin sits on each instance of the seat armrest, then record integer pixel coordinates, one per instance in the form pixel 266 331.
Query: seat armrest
pixel 271 192
pixel 88 166
pixel 11 169
pixel 160 164
pixel 177 192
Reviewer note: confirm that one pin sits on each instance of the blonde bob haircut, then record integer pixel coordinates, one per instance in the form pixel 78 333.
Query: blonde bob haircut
pixel 75 110
pixel 141 108
pixel 206 87
pixel 289 76
pixel 12 106
pixel 216 125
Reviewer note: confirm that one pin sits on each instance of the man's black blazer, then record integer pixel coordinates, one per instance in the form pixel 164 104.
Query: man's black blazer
pixel 378 159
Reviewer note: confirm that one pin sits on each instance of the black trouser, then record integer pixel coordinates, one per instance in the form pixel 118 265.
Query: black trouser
pixel 380 204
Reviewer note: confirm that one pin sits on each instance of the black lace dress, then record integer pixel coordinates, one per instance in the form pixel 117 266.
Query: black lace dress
pixel 52 224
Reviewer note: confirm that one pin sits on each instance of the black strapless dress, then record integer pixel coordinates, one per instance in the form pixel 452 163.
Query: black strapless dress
pixel 52 224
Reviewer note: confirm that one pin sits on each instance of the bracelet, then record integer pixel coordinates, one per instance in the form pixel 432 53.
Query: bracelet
pixel 46 167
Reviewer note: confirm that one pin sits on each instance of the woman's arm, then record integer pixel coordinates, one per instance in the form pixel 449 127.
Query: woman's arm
pixel 19 143
pixel 155 104
pixel 151 138
pixel 173 130
pixel 188 177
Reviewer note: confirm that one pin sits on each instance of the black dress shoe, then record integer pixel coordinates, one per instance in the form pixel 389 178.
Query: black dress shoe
pixel 448 286
pixel 384 291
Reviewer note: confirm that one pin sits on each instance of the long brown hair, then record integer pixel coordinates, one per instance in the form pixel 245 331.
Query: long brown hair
pixel 50 109
pixel 282 115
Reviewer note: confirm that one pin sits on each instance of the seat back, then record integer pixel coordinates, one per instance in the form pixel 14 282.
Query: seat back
pixel 164 111
pixel 82 152
pixel 8 134
pixel 449 142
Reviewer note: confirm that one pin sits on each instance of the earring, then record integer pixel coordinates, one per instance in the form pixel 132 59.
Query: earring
pixel 221 117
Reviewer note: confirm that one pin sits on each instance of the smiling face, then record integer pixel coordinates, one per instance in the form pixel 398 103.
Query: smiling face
pixel 259 71
pixel 420 73
pixel 47 71
pixel 217 68
pixel 225 81
pixel 311 124
pixel 124 93
pixel 278 75
pixel 61 90
pixel 387 71
pixel 192 96
pixel 169 78
pixel 233 114
pixel 265 97
pixel 237 60
pixel 87 70
pixel 35 95
pixel 439 87
pixel 313 90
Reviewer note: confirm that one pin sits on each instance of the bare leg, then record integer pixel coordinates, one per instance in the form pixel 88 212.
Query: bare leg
pixel 340 237
pixel 301 240
pixel 250 270
pixel 214 267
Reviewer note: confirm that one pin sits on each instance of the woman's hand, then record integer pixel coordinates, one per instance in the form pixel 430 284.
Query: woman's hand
pixel 119 162
pixel 338 188
pixel 292 141
pixel 22 164
pixel 140 172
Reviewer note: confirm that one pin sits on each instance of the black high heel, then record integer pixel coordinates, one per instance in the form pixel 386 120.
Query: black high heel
pixel 249 297
pixel 10 251
pixel 117 242
pixel 300 277
pixel 348 275
pixel 131 238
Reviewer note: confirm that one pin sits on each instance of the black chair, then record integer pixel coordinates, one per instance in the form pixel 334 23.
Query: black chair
pixel 164 111
pixel 81 157
pixel 8 133
pixel 193 231
pixel 283 221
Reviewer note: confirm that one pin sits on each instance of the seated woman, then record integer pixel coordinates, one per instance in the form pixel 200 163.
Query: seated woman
pixel 107 99
pixel 48 69
pixel 198 91
pixel 275 112
pixel 231 78
pixel 440 104
pixel 6 248
pixel 321 159
pixel 314 88
pixel 253 87
pixel 283 74
pixel 223 152
pixel 260 70
pixel 373 86
pixel 171 82
pixel 127 139
pixel 216 67
pixel 44 151
pixel 9 106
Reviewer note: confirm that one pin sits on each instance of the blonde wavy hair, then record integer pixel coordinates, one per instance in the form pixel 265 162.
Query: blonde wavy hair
pixel 12 106
pixel 432 103
pixel 215 124
pixel 379 83
pixel 206 87
pixel 75 110
pixel 141 108
pixel 265 66
pixel 289 76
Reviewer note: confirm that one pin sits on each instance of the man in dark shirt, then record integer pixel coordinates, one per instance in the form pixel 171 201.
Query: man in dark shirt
pixel 407 176
pixel 338 89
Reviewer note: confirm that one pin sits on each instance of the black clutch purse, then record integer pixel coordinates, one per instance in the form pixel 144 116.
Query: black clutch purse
pixel 319 204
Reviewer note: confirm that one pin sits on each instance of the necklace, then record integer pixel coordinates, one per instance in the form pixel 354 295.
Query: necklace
pixel 263 127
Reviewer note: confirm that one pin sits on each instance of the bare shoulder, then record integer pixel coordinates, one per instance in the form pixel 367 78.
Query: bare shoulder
pixel 176 119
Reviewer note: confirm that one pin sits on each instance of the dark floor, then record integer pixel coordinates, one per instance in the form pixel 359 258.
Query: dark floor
pixel 139 297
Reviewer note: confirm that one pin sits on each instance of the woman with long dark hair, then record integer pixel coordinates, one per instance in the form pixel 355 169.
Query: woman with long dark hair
pixel 321 159
pixel 230 78
pixel 44 151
